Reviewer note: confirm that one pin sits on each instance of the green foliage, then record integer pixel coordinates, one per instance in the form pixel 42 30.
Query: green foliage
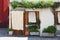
pixel 40 4
pixel 10 29
pixel 33 29
pixel 15 4
pixel 56 5
pixel 28 4
pixel 44 30
pixel 50 29
pixel 43 4
pixel 38 21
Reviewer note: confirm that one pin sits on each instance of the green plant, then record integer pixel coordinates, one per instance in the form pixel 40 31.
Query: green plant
pixel 38 21
pixel 56 5
pixel 40 4
pixel 30 22
pixel 10 29
pixel 15 4
pixel 43 4
pixel 32 29
pixel 28 4
pixel 44 30
pixel 50 29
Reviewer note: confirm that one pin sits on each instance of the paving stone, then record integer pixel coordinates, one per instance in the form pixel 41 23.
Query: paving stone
pixel 4 33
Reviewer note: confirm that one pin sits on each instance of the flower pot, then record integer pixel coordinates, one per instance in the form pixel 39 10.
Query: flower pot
pixel 34 33
pixel 48 34
pixel 26 32
pixel 10 32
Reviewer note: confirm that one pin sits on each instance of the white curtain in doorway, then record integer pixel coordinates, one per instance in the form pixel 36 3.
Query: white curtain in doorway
pixel 32 17
pixel 58 17
pixel 17 20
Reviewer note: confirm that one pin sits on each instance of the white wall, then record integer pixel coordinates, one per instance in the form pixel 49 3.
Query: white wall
pixel 47 18
pixel 57 9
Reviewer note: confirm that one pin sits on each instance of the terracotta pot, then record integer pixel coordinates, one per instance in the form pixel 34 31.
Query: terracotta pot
pixel 16 32
pixel 26 32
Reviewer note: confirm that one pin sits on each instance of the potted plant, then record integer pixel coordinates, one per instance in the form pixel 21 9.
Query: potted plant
pixel 49 31
pixel 33 31
pixel 10 31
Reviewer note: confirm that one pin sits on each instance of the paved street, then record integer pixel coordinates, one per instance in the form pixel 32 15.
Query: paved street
pixel 4 33
pixel 42 38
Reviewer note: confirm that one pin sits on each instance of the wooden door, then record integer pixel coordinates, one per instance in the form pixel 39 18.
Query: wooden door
pixel 25 18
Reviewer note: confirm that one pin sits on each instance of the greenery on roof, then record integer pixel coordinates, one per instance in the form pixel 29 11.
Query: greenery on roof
pixel 39 4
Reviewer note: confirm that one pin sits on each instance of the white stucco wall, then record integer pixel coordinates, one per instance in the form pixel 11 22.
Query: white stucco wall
pixel 47 18
pixel 57 9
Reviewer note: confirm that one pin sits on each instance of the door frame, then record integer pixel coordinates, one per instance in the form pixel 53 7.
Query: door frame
pixel 26 17
pixel 56 18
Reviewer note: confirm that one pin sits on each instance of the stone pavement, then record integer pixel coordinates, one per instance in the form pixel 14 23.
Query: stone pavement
pixel 4 33
pixel 43 38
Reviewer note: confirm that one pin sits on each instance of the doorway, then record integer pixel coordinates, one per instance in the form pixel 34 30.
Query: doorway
pixel 57 18
pixel 30 19
pixel 57 22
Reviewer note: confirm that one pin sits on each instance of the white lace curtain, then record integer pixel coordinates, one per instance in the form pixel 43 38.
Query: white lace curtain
pixel 32 17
